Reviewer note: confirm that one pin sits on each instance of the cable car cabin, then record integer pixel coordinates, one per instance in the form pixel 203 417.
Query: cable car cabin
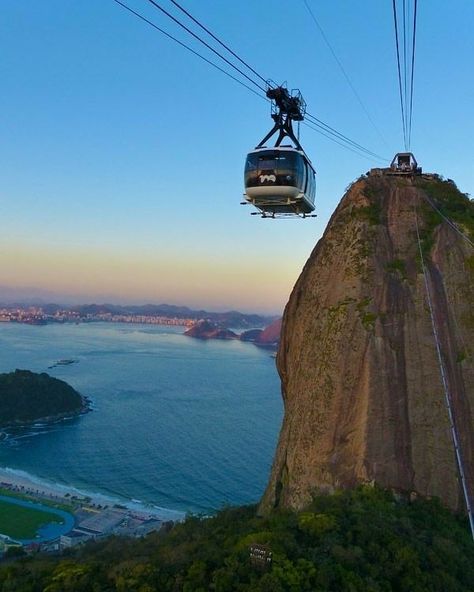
pixel 404 163
pixel 280 181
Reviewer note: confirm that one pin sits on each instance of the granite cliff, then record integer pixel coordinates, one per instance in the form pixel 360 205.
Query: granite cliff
pixel 361 384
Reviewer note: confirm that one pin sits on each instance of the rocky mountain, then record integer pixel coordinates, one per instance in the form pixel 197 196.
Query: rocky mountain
pixel 268 337
pixel 364 401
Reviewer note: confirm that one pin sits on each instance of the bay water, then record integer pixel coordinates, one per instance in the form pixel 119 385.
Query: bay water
pixel 177 422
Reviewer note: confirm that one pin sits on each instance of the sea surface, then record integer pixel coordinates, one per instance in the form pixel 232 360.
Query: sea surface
pixel 177 422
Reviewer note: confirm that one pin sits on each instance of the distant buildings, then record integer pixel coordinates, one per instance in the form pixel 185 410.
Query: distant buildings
pixel 34 315
pixel 91 522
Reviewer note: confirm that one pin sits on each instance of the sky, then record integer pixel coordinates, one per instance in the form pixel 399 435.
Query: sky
pixel 121 153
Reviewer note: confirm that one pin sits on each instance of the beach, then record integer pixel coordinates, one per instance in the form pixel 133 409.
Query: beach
pixel 23 483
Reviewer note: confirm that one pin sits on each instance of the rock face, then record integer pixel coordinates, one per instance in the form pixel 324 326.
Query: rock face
pixel 363 397
pixel 270 336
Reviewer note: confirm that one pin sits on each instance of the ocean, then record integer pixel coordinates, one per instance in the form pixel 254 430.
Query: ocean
pixel 180 423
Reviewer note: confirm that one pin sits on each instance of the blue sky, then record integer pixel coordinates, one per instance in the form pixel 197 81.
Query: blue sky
pixel 122 154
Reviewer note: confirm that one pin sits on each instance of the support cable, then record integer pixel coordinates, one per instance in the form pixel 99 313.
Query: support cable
pixel 464 236
pixel 447 395
pixel 412 71
pixel 343 70
pixel 189 48
pixel 344 138
pixel 405 64
pixel 183 26
pixel 195 20
pixel 449 221
pixel 399 73
pixel 324 133
pixel 317 125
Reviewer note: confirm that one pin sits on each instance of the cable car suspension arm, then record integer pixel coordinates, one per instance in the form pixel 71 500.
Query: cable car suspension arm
pixel 286 108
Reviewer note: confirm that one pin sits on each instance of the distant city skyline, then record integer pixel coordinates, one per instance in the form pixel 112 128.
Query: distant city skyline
pixel 32 296
pixel 122 154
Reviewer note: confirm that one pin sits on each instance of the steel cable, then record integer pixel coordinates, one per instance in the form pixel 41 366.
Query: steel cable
pixel 321 127
pixel 343 70
pixel 141 17
pixel 183 26
pixel 195 20
pixel 412 71
pixel 333 131
pixel 399 73
pixel 444 380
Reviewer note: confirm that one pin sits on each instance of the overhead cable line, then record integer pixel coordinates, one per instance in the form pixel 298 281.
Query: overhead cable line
pixel 406 50
pixel 333 131
pixel 450 222
pixel 195 20
pixel 321 127
pixel 444 380
pixel 405 69
pixel 333 139
pixel 399 74
pixel 183 26
pixel 412 70
pixel 141 17
pixel 343 70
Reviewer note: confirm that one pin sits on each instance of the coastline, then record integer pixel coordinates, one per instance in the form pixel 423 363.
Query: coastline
pixel 86 408
pixel 22 482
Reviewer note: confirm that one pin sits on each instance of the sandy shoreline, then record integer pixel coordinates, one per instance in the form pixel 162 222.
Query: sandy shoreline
pixel 26 483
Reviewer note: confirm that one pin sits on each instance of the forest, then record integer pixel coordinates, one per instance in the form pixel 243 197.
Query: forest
pixel 364 540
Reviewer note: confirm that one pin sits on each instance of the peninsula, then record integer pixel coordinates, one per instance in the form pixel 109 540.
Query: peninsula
pixel 26 397
pixel 267 338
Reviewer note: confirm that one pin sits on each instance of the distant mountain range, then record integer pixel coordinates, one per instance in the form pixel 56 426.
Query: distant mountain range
pixel 232 318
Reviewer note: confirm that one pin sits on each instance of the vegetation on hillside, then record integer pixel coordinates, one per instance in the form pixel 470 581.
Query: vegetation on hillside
pixel 451 203
pixel 26 396
pixel 361 540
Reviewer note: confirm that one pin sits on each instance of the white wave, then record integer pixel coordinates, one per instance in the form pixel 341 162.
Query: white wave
pixel 31 481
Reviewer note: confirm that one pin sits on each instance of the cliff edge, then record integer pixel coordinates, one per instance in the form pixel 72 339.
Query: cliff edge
pixel 361 385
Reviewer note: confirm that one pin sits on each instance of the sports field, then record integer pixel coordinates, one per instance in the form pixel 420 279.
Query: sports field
pixel 20 522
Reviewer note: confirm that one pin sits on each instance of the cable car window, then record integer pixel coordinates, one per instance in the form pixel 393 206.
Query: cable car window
pixel 267 163
pixel 277 168
pixel 287 168
pixel 251 170
pixel 301 174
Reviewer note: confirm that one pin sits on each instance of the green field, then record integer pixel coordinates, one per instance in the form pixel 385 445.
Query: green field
pixel 31 498
pixel 18 522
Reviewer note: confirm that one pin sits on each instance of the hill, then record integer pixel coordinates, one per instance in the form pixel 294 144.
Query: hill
pixel 364 540
pixel 204 329
pixel 26 397
pixel 364 400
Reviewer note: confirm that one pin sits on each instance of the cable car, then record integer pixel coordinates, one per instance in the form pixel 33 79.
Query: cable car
pixel 280 180
pixel 404 163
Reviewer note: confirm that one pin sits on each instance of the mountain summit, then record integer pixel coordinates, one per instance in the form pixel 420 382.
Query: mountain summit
pixel 363 396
